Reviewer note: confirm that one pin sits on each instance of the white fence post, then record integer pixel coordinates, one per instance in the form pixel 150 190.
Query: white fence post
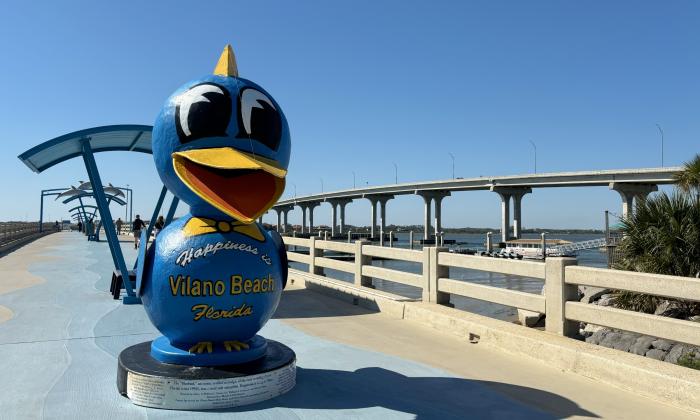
pixel 556 294
pixel 313 253
pixel 361 260
pixel 425 297
pixel 436 271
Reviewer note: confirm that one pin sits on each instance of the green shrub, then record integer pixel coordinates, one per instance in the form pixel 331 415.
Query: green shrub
pixel 661 236
pixel 688 360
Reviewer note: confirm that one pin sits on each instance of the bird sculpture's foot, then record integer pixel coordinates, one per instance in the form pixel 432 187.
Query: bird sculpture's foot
pixel 209 353
pixel 201 347
pixel 235 345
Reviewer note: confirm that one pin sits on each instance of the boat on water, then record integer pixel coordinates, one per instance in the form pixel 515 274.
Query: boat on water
pixel 532 248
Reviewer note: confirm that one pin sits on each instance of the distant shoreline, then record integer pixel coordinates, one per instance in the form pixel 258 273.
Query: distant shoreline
pixel 472 230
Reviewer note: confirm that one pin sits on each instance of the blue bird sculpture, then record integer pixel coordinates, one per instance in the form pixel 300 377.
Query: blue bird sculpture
pixel 214 277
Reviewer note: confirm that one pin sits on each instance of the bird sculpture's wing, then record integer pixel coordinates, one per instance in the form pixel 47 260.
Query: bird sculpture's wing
pixel 282 253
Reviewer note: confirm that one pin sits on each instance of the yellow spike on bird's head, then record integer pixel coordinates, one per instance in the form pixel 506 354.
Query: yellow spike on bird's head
pixel 227 63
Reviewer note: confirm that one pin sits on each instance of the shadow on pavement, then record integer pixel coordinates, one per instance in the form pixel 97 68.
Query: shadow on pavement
pixel 424 397
pixel 304 303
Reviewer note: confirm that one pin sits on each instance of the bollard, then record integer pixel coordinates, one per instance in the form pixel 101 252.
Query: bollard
pixel 325 235
pixel 349 236
pixel 489 241
pixel 442 238
pixel 294 234
pixel 381 237
pixel 410 240
pixel 391 239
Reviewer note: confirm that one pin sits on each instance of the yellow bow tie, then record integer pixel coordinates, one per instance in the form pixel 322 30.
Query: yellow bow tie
pixel 201 226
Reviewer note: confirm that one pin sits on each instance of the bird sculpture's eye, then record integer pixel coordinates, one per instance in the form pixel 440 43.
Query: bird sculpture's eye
pixel 203 111
pixel 259 119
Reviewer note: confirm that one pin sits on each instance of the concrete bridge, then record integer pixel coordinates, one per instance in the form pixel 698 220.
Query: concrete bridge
pixel 630 184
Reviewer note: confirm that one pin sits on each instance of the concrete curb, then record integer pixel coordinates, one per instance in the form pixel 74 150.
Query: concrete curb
pixel 664 382
pixel 660 381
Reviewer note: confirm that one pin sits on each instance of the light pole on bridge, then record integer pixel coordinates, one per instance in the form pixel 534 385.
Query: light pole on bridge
pixel 534 146
pixel 396 173
pixel 321 185
pixel 661 131
pixel 453 164
pixel 353 180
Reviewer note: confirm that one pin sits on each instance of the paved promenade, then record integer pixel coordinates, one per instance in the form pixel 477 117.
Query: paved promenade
pixel 60 334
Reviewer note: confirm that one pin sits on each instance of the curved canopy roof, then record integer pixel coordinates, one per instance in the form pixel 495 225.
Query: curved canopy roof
pixel 81 207
pixel 89 194
pixel 127 138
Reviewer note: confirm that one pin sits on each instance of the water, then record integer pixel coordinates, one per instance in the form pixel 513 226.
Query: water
pixel 590 258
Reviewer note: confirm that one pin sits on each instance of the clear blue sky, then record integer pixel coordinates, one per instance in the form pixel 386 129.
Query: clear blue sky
pixel 367 83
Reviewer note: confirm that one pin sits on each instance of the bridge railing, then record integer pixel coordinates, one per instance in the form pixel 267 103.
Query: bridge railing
pixel 514 298
pixel 12 231
pixel 560 275
pixel 653 284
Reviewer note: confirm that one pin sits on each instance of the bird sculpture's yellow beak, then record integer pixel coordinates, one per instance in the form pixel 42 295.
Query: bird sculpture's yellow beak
pixel 242 185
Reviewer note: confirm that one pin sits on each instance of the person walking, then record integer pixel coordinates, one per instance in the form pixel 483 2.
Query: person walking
pixel 80 226
pixel 118 224
pixel 160 223
pixel 136 228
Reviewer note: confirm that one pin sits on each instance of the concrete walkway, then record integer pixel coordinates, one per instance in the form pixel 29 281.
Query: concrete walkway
pixel 59 346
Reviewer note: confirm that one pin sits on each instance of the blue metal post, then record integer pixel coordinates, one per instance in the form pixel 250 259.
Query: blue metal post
pixel 85 216
pixel 154 217
pixel 156 211
pixel 41 213
pixel 106 217
pixel 171 211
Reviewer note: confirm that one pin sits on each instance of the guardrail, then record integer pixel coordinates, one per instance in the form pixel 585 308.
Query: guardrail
pixel 560 275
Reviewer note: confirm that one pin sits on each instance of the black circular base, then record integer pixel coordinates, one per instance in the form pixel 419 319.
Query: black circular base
pixel 150 383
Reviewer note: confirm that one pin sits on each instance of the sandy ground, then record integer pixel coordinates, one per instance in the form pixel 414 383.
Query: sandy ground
pixel 14 268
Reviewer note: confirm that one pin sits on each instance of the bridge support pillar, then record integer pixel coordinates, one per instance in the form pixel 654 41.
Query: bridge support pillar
pixel 428 197
pixel 334 219
pixel 308 207
pixel 438 211
pixel 342 205
pixel 629 191
pixel 285 218
pixel 303 218
pixel 338 206
pixel 282 217
pixel 381 201
pixel 311 206
pixel 517 194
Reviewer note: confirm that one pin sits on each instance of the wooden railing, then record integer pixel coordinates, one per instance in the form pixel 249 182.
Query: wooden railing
pixel 560 275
